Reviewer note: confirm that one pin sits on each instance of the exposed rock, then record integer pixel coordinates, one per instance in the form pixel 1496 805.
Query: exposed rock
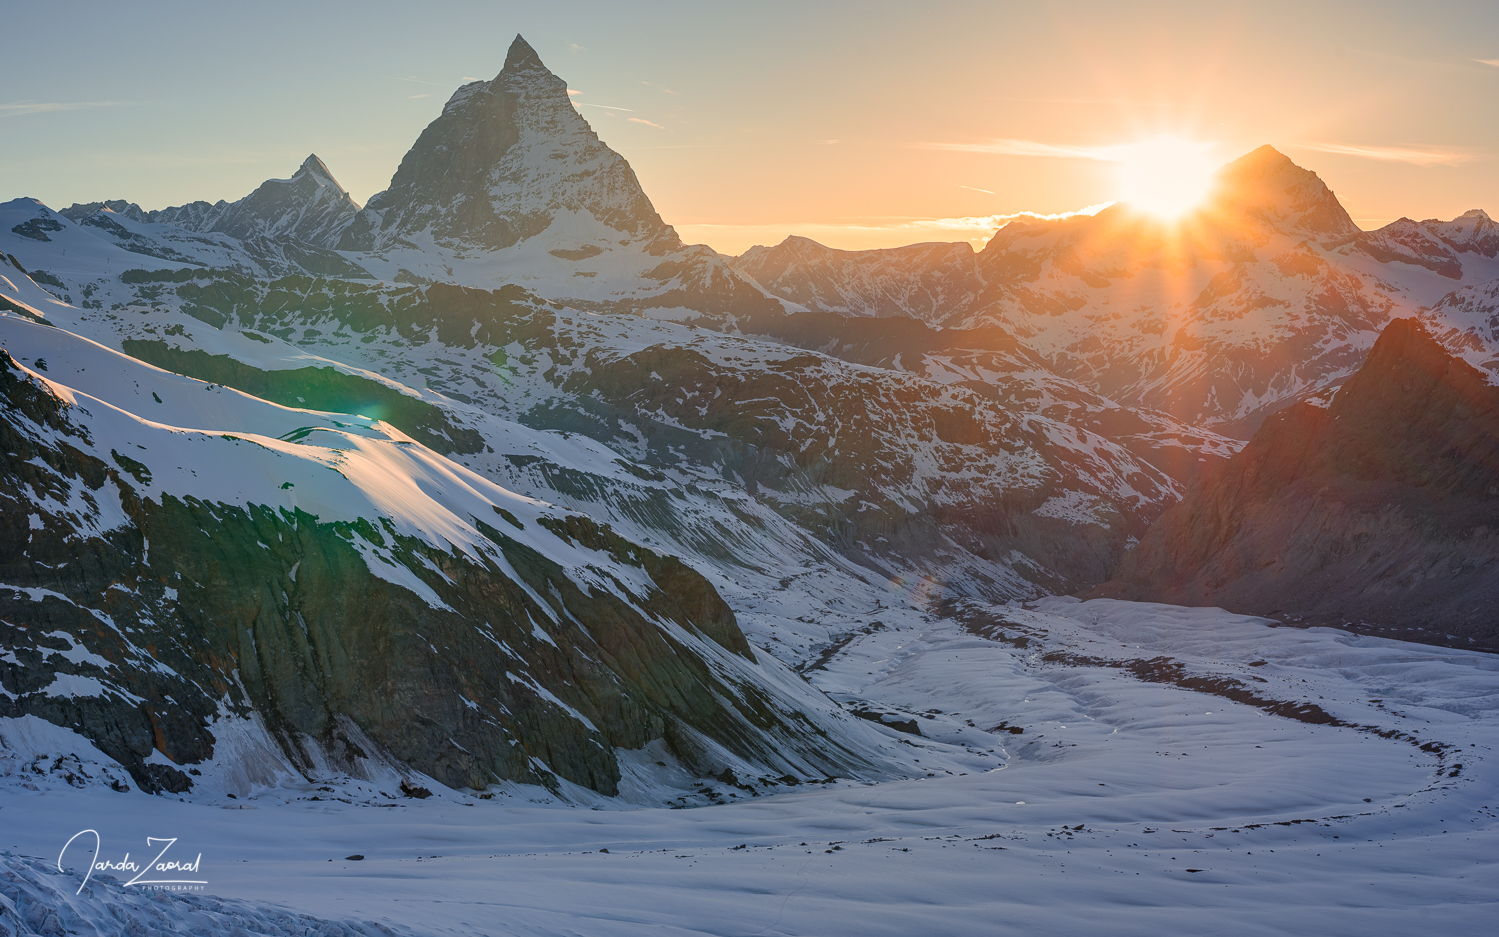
pixel 140 621
pixel 1378 510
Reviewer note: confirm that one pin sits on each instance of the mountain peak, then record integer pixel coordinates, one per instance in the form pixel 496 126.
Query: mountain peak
pixel 521 55
pixel 1266 185
pixel 1263 161
pixel 504 160
pixel 316 167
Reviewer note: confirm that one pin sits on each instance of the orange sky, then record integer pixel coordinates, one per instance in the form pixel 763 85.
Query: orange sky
pixel 748 122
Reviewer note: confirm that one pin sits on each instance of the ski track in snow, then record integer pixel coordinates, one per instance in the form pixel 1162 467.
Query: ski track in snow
pixel 1124 807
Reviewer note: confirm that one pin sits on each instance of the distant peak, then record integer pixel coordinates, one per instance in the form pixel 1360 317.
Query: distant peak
pixel 1477 214
pixel 315 166
pixel 1267 184
pixel 1264 161
pixel 521 55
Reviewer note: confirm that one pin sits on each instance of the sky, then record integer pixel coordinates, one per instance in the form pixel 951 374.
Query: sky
pixel 861 125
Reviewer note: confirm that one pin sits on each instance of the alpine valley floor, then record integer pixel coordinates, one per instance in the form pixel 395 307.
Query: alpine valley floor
pixel 1176 771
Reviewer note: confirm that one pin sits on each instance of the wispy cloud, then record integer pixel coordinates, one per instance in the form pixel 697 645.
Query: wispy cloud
pixel 411 97
pixel 1493 62
pixel 642 120
pixel 574 47
pixel 17 110
pixel 422 81
pixel 573 91
pixel 973 188
pixel 992 222
pixel 607 107
pixel 1420 156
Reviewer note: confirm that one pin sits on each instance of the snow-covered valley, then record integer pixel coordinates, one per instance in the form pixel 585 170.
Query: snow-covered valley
pixel 1123 806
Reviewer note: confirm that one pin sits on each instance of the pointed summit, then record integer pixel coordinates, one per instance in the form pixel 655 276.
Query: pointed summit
pixel 504 159
pixel 1266 186
pixel 521 55
pixel 310 206
pixel 313 166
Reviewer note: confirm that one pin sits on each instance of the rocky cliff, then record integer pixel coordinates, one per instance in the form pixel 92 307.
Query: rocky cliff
pixel 1378 509
pixel 357 597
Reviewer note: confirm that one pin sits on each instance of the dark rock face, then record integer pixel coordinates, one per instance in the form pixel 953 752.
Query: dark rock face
pixel 520 674
pixel 1379 510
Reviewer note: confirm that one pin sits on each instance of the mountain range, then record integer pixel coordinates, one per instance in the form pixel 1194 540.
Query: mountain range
pixel 495 479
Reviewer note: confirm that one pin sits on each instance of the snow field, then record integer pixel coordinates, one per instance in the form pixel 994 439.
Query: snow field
pixel 1124 807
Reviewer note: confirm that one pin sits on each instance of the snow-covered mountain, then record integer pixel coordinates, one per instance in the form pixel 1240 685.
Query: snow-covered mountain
pixel 310 207
pixel 204 583
pixel 511 185
pixel 1261 297
pixel 103 239
pixel 928 282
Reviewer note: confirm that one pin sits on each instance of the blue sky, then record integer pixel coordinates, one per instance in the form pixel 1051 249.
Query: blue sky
pixel 822 118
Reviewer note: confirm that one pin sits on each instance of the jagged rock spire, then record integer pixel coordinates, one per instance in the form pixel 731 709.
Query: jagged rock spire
pixel 316 167
pixel 521 55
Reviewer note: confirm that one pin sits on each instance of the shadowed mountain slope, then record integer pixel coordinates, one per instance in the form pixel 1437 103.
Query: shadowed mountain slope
pixel 1378 509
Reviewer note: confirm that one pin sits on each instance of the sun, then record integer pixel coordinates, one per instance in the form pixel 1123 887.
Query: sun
pixel 1164 176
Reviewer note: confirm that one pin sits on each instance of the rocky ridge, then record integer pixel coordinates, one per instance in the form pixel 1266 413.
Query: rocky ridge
pixel 1373 507
pixel 1261 297
pixel 380 609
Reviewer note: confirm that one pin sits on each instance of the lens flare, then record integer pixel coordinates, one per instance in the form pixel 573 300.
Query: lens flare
pixel 1166 176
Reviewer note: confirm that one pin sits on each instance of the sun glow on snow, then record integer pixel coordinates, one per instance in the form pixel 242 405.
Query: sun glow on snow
pixel 1165 176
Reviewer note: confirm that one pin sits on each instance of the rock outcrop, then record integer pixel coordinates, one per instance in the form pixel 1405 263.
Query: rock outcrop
pixel 1377 510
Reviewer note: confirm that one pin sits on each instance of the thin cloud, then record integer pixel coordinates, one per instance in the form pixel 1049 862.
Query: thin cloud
pixel 16 110
pixel 1420 156
pixel 1493 62
pixel 411 97
pixel 607 107
pixel 422 81
pixel 973 188
pixel 572 91
pixel 642 120
pixel 574 47
pixel 994 222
